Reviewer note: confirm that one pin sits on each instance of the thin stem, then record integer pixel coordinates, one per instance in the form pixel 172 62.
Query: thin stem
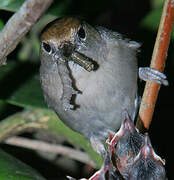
pixel 158 62
pixel 51 148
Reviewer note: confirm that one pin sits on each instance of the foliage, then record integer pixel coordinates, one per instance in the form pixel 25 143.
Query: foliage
pixel 13 169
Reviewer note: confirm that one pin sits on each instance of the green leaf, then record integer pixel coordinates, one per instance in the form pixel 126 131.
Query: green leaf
pixel 10 5
pixel 13 169
pixel 29 94
pixel 1 24
pixel 2 104
pixel 49 122
pixel 21 85
pixel 59 8
pixel 157 3
pixel 152 20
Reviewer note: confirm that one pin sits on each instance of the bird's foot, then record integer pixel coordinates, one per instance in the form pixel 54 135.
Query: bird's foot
pixel 150 74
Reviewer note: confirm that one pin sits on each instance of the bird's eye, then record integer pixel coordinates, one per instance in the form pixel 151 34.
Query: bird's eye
pixel 81 33
pixel 47 47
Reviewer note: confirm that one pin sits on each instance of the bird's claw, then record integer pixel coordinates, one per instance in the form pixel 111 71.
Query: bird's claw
pixel 150 74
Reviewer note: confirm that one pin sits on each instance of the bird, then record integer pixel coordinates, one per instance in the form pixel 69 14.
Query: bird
pixel 89 77
pixel 134 155
pixel 127 145
pixel 147 164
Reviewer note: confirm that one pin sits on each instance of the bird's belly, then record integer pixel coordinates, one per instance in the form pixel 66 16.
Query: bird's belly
pixel 101 105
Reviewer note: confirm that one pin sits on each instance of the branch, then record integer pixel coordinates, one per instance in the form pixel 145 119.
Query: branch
pixel 51 148
pixel 19 24
pixel 157 62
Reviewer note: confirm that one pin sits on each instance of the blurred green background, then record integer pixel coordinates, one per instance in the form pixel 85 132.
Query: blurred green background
pixel 19 80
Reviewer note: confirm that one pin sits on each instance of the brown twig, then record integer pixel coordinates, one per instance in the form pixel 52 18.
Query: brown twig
pixel 51 148
pixel 158 62
pixel 19 24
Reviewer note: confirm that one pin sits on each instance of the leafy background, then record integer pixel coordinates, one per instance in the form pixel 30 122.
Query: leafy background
pixel 21 92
